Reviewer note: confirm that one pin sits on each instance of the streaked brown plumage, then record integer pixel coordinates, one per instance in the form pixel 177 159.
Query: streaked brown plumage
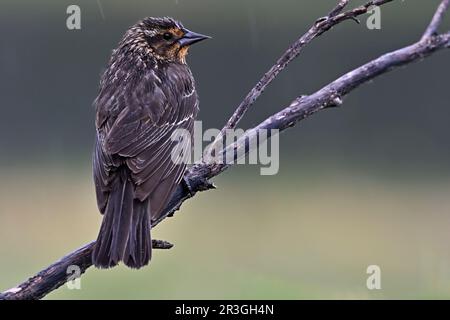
pixel 145 94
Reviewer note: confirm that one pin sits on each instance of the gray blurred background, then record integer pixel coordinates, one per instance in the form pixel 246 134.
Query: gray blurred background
pixel 364 184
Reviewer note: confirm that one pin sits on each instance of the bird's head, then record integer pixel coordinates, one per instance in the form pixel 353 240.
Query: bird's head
pixel 164 38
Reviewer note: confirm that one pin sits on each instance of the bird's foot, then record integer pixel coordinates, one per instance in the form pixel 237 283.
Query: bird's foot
pixel 188 186
pixel 197 184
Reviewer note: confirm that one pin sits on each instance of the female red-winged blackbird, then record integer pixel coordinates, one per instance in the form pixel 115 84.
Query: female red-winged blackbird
pixel 146 93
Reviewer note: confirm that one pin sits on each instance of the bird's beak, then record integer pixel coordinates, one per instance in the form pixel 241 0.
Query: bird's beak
pixel 191 37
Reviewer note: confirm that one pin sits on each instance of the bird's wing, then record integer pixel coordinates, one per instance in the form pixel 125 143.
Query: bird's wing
pixel 135 129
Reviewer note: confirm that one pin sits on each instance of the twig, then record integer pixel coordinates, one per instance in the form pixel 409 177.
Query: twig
pixel 320 26
pixel 437 19
pixel 197 177
pixel 339 7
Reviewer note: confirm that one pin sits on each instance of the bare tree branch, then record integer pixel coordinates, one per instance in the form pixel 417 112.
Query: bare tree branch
pixel 57 274
pixel 197 177
pixel 320 26
pixel 437 19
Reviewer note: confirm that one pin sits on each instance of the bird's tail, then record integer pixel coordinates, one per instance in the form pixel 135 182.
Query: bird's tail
pixel 125 231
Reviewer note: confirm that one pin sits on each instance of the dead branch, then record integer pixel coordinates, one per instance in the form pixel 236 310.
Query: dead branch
pixel 197 177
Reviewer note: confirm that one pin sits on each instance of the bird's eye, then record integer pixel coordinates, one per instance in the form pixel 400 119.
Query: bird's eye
pixel 167 36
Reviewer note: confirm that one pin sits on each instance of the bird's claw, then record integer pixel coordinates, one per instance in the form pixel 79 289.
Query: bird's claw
pixel 188 186
pixel 198 184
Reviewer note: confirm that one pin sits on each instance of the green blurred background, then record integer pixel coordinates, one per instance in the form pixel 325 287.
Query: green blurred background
pixel 365 184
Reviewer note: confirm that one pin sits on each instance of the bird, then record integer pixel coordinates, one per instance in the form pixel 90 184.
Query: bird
pixel 146 93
